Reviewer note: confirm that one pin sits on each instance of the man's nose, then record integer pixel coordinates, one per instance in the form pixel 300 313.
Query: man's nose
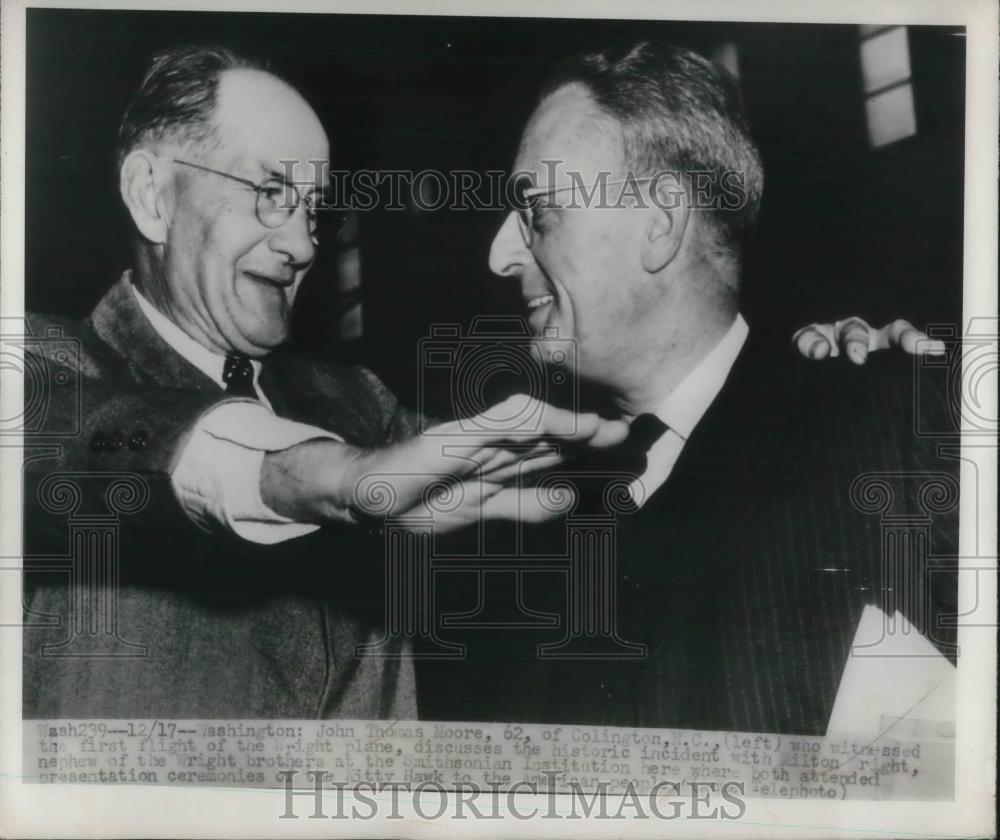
pixel 293 238
pixel 508 254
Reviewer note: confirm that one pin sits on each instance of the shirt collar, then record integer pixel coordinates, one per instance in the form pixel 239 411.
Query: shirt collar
pixel 687 403
pixel 209 363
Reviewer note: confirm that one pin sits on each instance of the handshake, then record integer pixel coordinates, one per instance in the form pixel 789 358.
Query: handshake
pixel 462 471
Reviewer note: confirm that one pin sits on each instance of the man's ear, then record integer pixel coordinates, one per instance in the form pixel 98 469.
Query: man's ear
pixel 140 188
pixel 668 218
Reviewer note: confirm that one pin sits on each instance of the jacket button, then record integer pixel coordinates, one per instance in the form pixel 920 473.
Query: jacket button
pixel 139 440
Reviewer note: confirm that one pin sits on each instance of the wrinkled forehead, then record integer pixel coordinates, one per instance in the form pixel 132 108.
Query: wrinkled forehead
pixel 266 123
pixel 568 132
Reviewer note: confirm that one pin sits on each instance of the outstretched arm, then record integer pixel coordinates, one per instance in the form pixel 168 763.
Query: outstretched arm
pixel 478 473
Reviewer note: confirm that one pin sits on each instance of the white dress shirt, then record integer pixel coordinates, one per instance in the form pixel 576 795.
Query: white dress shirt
pixel 217 476
pixel 685 406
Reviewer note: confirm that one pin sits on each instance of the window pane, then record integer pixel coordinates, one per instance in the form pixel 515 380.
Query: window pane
pixel 727 56
pixel 891 115
pixel 885 59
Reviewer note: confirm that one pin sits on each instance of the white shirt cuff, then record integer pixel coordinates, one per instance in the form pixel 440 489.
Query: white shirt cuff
pixel 217 477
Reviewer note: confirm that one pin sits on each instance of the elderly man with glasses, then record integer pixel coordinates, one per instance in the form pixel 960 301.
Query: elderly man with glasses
pixel 227 597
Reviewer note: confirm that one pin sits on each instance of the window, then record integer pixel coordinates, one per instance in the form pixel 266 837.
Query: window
pixel 885 70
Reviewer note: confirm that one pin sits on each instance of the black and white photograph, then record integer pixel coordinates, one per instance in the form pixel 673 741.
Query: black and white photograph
pixel 499 420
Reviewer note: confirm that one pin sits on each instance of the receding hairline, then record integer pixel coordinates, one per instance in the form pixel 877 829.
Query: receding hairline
pixel 595 120
pixel 229 75
pixel 202 137
pixel 230 82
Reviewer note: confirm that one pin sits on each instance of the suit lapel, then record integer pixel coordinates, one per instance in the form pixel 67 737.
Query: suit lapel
pixel 340 399
pixel 683 537
pixel 270 384
pixel 745 451
pixel 120 323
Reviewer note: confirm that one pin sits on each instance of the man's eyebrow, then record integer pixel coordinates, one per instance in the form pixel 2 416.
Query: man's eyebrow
pixel 281 174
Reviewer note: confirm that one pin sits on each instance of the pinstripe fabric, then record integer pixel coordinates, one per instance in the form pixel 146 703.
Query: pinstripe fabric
pixel 790 581
pixel 722 573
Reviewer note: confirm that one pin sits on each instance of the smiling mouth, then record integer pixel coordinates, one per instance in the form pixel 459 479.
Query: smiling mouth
pixel 541 300
pixel 271 280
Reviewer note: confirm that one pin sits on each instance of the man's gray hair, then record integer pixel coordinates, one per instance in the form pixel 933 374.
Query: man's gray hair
pixel 678 112
pixel 177 97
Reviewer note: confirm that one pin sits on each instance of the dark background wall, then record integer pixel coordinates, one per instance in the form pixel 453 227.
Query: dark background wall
pixel 845 228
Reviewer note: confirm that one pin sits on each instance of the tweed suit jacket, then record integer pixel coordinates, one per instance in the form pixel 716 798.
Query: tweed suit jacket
pixel 745 574
pixel 206 625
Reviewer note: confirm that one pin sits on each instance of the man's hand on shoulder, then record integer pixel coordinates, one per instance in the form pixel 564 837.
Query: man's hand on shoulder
pixel 856 339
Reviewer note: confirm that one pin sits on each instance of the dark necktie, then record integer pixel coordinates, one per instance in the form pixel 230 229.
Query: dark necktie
pixel 237 373
pixel 643 432
pixel 618 465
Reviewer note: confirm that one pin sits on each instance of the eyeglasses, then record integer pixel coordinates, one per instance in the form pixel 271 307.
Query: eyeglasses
pixel 526 204
pixel 277 199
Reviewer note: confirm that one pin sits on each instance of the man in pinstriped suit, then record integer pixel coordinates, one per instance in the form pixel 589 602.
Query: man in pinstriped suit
pixel 751 551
